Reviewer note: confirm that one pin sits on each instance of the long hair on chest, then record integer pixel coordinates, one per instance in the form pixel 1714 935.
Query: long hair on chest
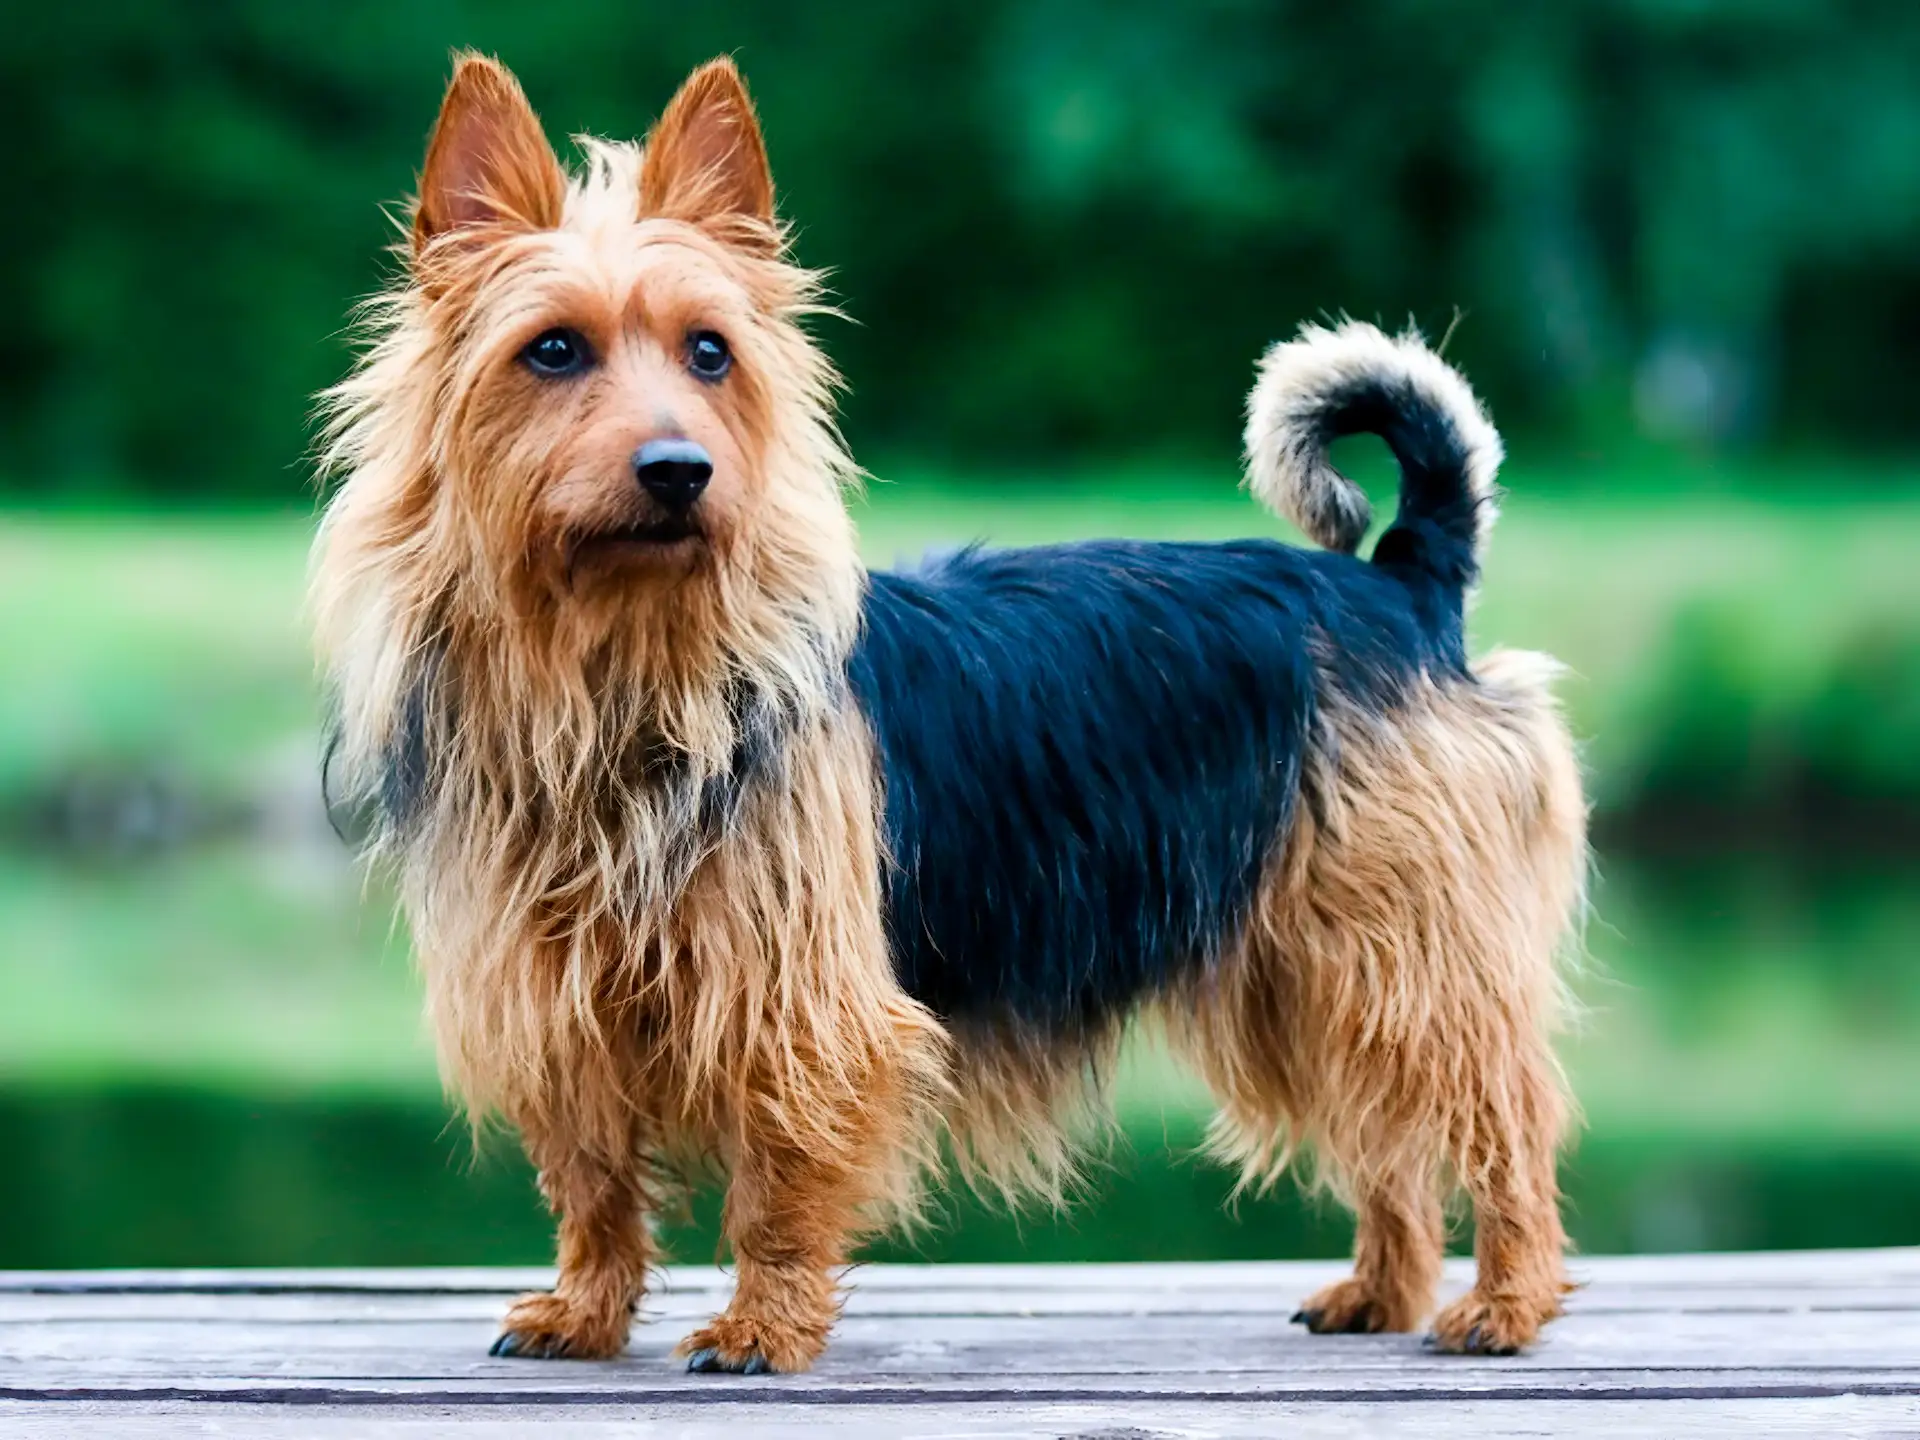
pixel 630 811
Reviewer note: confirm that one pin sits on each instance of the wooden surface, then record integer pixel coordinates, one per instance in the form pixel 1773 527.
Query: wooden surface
pixel 1814 1344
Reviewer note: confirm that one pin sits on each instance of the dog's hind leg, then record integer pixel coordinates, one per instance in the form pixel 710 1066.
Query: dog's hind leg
pixel 1276 1044
pixel 1392 1004
pixel 1398 1243
pixel 1287 1054
pixel 1518 1240
pixel 1530 847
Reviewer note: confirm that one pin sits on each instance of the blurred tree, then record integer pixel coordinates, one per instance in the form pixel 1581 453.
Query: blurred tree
pixel 1066 226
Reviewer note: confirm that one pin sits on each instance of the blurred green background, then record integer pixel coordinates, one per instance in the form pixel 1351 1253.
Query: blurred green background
pixel 1678 242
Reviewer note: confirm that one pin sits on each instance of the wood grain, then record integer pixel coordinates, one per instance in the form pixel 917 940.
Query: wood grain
pixel 1825 1343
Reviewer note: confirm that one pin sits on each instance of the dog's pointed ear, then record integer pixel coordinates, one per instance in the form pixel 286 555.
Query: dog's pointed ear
pixel 488 161
pixel 706 163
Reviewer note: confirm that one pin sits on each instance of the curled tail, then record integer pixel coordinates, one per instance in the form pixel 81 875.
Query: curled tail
pixel 1354 379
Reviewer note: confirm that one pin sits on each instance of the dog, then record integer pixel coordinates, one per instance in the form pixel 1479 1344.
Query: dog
pixel 717 848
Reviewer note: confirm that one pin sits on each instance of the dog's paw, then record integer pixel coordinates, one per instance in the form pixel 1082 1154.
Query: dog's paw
pixel 547 1327
pixel 744 1345
pixel 1351 1307
pixel 1477 1324
pixel 712 1360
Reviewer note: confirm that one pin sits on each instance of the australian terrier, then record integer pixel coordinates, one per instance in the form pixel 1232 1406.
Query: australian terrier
pixel 717 846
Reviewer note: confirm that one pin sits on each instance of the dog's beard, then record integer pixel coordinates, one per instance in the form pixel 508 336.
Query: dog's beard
pixel 672 546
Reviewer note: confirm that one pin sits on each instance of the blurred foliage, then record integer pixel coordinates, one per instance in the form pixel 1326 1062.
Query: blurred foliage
pixel 1730 737
pixel 1065 227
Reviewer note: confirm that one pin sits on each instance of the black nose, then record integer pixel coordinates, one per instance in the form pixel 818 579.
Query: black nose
pixel 674 472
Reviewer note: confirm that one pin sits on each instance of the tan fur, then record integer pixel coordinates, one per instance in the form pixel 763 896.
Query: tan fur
pixel 637 987
pixel 1392 1004
pixel 1026 1109
pixel 611 1004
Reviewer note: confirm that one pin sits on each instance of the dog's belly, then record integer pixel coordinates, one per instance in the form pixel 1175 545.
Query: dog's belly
pixel 1091 752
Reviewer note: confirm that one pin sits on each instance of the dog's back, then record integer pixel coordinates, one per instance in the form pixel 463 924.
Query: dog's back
pixel 1090 752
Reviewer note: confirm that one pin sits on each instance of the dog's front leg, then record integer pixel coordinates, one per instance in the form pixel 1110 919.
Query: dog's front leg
pixel 598 1194
pixel 790 1218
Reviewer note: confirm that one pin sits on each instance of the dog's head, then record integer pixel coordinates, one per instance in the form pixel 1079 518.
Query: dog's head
pixel 591 395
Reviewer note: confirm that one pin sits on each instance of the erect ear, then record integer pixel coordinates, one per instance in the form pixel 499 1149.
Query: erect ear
pixel 705 160
pixel 488 161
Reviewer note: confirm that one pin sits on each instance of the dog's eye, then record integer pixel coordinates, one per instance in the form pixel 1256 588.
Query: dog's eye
pixel 557 352
pixel 708 355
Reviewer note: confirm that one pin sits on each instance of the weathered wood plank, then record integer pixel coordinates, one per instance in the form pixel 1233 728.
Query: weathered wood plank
pixel 400 1339
pixel 1819 1343
pixel 1843 1416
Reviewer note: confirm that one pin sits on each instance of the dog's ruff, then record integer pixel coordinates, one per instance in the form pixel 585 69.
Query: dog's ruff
pixel 728 850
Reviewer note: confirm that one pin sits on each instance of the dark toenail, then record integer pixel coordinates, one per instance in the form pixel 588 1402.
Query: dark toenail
pixel 756 1365
pixel 1473 1340
pixel 703 1362
pixel 505 1346
pixel 1299 1317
